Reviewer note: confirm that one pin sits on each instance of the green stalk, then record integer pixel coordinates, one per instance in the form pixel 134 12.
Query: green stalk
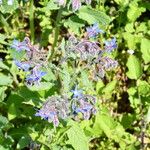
pixel 31 18
pixel 57 29
pixel 5 24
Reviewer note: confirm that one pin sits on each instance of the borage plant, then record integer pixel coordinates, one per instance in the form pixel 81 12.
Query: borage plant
pixel 54 97
pixel 78 56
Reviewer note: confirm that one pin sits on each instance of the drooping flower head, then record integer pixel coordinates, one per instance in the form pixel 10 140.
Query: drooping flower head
pixel 33 61
pixel 93 31
pixel 84 104
pixel 53 109
pixel 22 65
pixel 35 77
pixel 108 63
pixel 76 4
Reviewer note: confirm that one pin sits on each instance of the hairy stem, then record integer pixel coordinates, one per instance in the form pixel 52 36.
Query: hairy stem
pixel 56 33
pixel 31 18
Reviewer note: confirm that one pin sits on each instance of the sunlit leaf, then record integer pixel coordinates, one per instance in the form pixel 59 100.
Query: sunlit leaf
pixel 134 67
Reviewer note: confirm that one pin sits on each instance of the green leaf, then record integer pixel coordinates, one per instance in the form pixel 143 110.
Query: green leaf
pixel 148 115
pixel 86 82
pixel 77 138
pixel 3 121
pixel 50 76
pixel 127 120
pixel 13 103
pixel 40 87
pixel 143 88
pixel 74 23
pixel 131 39
pixel 66 79
pixel 2 39
pixel 99 86
pixel 105 123
pixel 110 87
pixel 92 16
pixel 130 27
pixel 5 80
pixel 3 66
pixel 17 55
pixel 51 6
pixel 134 12
pixel 2 93
pixel 113 130
pixel 17 133
pixel 12 111
pixel 142 27
pixel 23 142
pixel 27 94
pixel 134 67
pixel 145 49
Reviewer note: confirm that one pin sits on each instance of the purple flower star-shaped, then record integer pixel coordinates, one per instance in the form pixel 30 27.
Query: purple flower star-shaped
pixel 19 46
pixel 93 31
pixel 22 65
pixel 110 45
pixel 83 106
pixel 35 77
pixel 77 93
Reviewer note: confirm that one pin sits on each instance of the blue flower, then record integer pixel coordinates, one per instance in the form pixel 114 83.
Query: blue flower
pixel 110 45
pixel 19 46
pixel 108 63
pixel 35 77
pixel 84 105
pixel 49 114
pixel 22 65
pixel 54 108
pixel 93 31
pixel 77 93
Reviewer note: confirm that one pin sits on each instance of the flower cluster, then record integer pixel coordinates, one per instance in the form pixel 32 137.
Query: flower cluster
pixel 56 108
pixel 84 104
pixel 76 4
pixel 53 109
pixel 93 52
pixel 32 62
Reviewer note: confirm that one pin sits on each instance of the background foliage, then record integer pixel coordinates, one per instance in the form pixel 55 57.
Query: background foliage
pixel 123 95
